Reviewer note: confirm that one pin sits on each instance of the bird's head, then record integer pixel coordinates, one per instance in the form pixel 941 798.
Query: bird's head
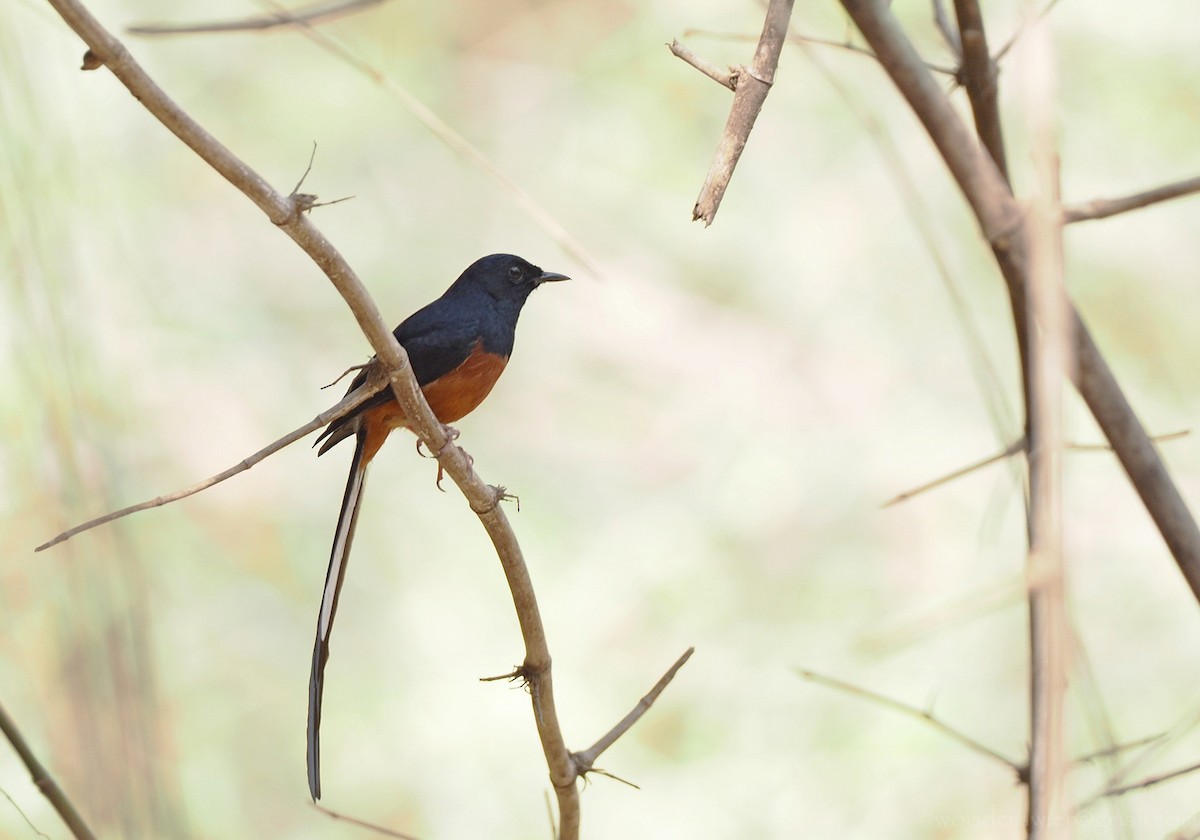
pixel 505 277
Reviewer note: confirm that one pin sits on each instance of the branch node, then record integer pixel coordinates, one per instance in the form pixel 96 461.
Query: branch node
pixel 499 494
pixel 91 61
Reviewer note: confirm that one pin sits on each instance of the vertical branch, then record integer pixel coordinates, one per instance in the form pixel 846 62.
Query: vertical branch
pixel 1049 351
pixel 978 76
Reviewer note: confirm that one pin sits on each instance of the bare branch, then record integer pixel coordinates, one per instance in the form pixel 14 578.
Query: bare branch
pixel 348 404
pixel 1049 358
pixel 905 709
pixel 369 826
pixel 1012 449
pixel 1020 30
pixel 979 78
pixel 1117 749
pixel 949 33
pixel 1151 781
pixel 1001 220
pixel 43 780
pixel 316 13
pixel 1102 208
pixel 283 212
pixel 721 77
pixel 800 40
pixel 585 759
pixel 750 88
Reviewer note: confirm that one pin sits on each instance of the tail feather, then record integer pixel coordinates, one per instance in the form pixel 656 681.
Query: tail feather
pixel 338 558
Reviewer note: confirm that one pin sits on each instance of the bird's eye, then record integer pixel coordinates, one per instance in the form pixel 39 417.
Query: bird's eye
pixel 515 273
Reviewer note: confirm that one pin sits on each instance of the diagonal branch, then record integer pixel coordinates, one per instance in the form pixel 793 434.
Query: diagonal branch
pixel 750 88
pixel 316 13
pixel 1102 208
pixel 1151 781
pixel 43 780
pixel 373 386
pixel 585 759
pixel 425 115
pixel 283 211
pixel 905 709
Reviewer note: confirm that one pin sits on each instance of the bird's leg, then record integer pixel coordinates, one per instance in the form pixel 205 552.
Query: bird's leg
pixel 451 436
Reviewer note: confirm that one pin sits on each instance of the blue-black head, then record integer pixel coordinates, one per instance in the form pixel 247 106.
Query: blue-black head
pixel 504 277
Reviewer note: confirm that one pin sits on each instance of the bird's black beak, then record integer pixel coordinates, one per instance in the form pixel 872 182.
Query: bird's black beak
pixel 549 277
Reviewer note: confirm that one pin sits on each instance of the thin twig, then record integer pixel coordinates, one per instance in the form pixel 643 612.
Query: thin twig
pixel 721 76
pixel 1117 749
pixel 316 13
pixel 753 83
pixel 456 142
pixel 1151 781
pixel 905 709
pixel 1152 752
pixel 370 826
pixel 1012 449
pixel 800 40
pixel 1020 30
pixel 1102 208
pixel 43 780
pixel 23 815
pixel 481 496
pixel 348 404
pixel 585 759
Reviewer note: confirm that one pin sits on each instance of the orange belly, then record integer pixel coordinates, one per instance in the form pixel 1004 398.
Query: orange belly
pixel 452 397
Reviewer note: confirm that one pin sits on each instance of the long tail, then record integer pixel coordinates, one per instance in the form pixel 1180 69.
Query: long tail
pixel 338 558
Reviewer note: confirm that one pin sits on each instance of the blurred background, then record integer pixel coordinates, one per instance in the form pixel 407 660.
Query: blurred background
pixel 702 430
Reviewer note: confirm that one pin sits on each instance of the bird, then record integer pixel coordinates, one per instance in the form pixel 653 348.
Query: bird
pixel 458 346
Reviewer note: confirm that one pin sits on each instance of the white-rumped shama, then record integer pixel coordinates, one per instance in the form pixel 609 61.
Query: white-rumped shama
pixel 458 347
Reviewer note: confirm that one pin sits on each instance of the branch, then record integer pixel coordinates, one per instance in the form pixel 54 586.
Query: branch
pixel 43 780
pixel 584 760
pixel 905 709
pixel 1150 781
pixel 726 78
pixel 1045 565
pixel 795 38
pixel 369 826
pixel 978 74
pixel 750 87
pixel 374 385
pixel 483 499
pixel 1010 450
pixel 1002 223
pixel 436 126
pixel 316 13
pixel 1102 208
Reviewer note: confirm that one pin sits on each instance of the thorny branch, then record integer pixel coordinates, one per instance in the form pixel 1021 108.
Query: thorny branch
pixel 283 211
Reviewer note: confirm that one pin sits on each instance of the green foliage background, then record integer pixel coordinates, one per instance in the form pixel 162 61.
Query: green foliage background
pixel 701 435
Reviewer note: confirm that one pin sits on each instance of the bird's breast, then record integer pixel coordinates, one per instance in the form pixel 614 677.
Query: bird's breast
pixel 456 394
